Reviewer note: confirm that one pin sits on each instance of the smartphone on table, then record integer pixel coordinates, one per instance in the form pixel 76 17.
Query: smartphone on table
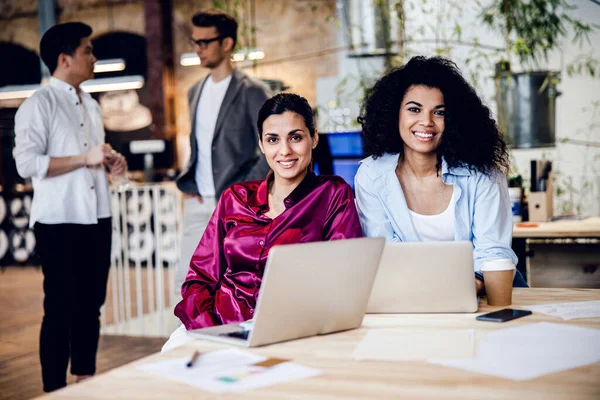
pixel 504 315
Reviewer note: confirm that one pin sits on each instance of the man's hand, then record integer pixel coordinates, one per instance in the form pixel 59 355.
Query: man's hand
pixel 93 158
pixel 116 163
pixel 111 155
pixel 193 196
pixel 479 285
pixel 97 155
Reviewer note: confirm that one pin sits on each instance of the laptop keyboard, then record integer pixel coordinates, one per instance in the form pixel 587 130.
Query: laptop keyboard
pixel 237 334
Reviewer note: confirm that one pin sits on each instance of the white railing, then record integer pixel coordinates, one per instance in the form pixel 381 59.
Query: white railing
pixel 145 249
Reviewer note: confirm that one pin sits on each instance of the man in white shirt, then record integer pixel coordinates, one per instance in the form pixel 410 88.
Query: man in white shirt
pixel 224 139
pixel 59 144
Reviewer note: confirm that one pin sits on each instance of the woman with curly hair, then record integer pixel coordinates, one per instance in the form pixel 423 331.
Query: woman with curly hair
pixel 436 166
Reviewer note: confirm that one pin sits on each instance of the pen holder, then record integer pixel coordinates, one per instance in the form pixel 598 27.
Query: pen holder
pixel 540 206
pixel 540 198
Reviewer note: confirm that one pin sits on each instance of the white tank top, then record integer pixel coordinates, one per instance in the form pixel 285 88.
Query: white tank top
pixel 435 228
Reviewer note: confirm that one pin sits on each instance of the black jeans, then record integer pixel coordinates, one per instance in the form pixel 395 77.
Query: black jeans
pixel 75 262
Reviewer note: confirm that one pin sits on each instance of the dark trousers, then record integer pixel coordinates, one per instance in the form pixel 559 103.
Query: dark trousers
pixel 75 262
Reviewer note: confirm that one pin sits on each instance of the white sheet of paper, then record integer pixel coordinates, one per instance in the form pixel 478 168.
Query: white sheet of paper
pixel 210 367
pixel 568 311
pixel 416 344
pixel 530 351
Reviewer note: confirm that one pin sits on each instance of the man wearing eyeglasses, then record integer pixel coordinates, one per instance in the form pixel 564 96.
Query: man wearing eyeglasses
pixel 224 139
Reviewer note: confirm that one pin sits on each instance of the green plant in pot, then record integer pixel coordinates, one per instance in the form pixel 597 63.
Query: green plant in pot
pixel 532 29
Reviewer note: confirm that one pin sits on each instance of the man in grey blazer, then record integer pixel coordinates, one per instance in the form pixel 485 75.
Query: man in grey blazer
pixel 224 139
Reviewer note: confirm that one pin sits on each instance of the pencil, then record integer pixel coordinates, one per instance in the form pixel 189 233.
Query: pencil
pixel 193 359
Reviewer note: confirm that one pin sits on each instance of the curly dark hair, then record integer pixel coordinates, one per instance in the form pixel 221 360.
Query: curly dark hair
pixel 471 136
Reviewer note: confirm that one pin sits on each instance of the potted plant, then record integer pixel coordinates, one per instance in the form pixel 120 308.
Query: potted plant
pixel 532 29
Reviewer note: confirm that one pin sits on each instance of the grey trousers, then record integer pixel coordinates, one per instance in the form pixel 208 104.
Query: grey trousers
pixel 195 218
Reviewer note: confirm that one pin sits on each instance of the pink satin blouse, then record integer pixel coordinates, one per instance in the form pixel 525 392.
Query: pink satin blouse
pixel 226 270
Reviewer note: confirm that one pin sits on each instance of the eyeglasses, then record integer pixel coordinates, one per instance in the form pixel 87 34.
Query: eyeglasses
pixel 203 43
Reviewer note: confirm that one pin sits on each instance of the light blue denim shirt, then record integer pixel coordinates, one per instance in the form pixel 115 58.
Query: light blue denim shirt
pixel 482 210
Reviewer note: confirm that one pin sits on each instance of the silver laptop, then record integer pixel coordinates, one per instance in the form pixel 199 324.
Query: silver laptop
pixel 308 289
pixel 425 277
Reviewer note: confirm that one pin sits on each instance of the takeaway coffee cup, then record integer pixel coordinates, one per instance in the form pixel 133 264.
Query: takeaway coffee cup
pixel 498 286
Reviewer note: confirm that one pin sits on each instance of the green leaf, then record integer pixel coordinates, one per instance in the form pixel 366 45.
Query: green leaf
pixel 458 31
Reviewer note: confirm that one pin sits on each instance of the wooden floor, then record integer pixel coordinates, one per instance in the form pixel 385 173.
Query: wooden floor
pixel 21 298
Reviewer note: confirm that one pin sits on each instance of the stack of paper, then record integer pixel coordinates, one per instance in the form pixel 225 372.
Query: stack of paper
pixel 530 351
pixel 567 311
pixel 230 370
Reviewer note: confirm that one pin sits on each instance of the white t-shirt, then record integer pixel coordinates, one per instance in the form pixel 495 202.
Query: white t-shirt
pixel 55 122
pixel 207 113
pixel 435 228
pixel 440 228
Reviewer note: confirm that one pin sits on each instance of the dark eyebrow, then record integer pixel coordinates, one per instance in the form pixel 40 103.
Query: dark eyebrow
pixel 289 133
pixel 420 105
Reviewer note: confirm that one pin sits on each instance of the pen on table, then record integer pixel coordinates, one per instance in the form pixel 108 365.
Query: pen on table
pixel 193 359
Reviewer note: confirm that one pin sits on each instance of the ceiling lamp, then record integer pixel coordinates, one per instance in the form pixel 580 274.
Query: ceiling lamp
pixel 18 91
pixel 109 65
pixel 187 59
pixel 116 83
pixel 255 54
pixel 91 86
pixel 238 57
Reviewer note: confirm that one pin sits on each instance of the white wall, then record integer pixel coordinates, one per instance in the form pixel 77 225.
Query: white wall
pixel 577 166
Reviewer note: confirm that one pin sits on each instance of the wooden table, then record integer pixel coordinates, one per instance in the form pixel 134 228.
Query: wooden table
pixel 566 229
pixel 584 228
pixel 345 378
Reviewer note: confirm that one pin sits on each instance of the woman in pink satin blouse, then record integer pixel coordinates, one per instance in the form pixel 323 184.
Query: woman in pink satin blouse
pixel 292 205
